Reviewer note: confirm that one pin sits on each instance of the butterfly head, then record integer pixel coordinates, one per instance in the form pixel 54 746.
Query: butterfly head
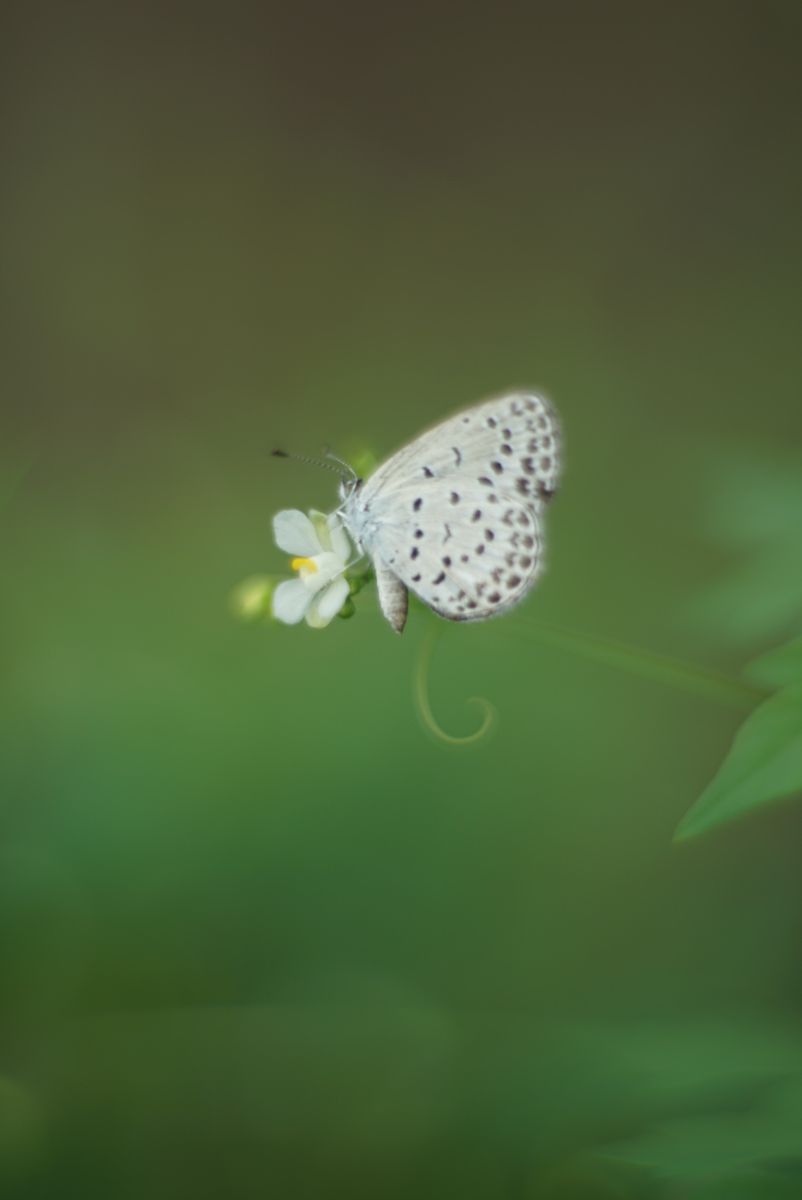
pixel 348 488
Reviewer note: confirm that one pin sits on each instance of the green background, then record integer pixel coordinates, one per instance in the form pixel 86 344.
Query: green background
pixel 260 933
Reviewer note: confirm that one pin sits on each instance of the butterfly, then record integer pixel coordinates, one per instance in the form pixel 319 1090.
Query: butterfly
pixel 456 516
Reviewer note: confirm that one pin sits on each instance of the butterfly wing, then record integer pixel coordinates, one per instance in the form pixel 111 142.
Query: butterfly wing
pixel 456 515
pixel 466 565
pixel 516 436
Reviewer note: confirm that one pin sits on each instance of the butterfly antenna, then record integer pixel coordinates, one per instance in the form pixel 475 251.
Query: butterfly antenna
pixel 342 469
pixel 350 473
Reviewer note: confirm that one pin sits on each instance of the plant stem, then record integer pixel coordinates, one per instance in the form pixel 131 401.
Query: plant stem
pixel 689 677
pixel 425 653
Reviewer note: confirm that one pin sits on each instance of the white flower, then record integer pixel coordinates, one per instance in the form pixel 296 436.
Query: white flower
pixel 320 550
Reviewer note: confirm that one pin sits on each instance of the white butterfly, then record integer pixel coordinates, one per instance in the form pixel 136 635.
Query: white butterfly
pixel 457 515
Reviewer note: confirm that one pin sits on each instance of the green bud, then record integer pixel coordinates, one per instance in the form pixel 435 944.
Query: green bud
pixel 362 459
pixel 251 600
pixel 347 610
pixel 357 582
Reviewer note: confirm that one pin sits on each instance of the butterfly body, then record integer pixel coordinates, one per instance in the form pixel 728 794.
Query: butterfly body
pixel 456 516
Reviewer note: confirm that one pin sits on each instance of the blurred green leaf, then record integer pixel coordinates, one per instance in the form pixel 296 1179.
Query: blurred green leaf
pixel 748 1185
pixel 779 667
pixel 721 1108
pixel 755 512
pixel 764 765
pixel 718 1144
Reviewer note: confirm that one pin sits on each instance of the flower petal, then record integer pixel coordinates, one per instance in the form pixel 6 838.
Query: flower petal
pixel 321 525
pixel 290 601
pixel 327 604
pixel 329 566
pixel 338 537
pixel 295 533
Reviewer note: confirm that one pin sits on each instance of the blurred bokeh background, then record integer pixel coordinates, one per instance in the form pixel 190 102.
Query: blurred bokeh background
pixel 259 933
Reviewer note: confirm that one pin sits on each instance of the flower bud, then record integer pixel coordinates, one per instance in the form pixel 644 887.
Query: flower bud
pixel 251 599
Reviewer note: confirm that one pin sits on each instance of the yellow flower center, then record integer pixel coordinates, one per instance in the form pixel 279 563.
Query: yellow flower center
pixel 309 563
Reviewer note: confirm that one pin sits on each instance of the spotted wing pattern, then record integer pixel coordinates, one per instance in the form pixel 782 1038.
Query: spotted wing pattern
pixel 457 515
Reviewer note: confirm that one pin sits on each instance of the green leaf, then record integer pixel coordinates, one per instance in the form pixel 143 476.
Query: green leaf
pixel 749 1185
pixel 764 765
pixel 751 1140
pixel 754 512
pixel 779 667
